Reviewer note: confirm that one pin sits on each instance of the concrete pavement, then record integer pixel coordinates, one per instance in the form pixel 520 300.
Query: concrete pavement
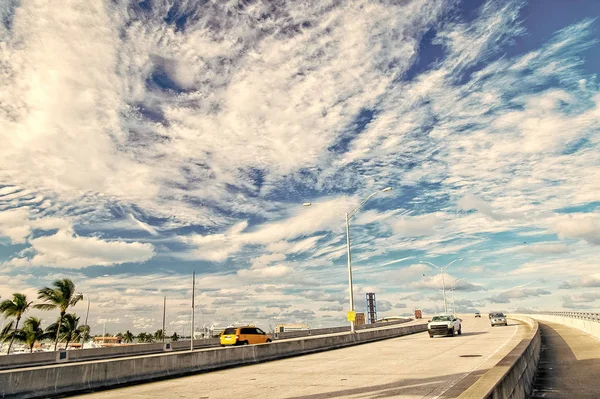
pixel 414 366
pixel 569 364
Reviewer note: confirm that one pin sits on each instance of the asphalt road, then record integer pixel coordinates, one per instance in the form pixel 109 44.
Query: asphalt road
pixel 413 366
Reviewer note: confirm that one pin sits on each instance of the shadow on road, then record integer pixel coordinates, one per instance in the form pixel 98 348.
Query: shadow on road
pixel 560 374
pixel 404 387
pixel 471 333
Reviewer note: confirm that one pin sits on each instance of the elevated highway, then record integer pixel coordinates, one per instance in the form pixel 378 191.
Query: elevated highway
pixel 412 366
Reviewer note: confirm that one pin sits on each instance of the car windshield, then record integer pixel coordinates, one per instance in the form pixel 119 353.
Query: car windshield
pixel 441 318
pixel 498 315
pixel 229 331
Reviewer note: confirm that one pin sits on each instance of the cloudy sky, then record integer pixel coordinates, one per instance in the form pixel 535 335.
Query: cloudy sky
pixel 142 140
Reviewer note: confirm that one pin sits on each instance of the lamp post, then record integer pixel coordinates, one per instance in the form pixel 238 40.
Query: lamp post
pixel 87 313
pixel 442 270
pixel 193 305
pixel 348 216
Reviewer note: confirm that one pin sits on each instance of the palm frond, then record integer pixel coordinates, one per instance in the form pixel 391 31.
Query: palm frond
pixel 45 306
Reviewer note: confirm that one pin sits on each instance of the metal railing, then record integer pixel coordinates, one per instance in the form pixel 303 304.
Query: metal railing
pixel 576 315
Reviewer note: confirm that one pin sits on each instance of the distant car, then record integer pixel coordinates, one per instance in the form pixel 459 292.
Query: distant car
pixel 445 324
pixel 477 314
pixel 498 319
pixel 245 335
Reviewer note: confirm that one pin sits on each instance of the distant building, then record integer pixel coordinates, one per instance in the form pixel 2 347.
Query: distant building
pixel 291 327
pixel 360 319
pixel 107 341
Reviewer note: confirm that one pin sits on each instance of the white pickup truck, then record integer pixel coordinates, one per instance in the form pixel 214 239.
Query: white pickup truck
pixel 445 324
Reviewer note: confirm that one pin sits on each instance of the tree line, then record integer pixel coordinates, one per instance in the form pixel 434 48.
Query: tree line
pixel 60 296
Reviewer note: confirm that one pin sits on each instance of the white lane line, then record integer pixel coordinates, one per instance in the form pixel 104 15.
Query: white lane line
pixel 477 366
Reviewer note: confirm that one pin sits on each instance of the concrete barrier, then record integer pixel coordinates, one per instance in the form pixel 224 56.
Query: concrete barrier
pixel 333 330
pixel 77 355
pixel 588 326
pixel 46 358
pixel 512 377
pixel 60 379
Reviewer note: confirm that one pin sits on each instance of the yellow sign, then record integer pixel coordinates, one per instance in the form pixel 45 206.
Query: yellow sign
pixel 351 316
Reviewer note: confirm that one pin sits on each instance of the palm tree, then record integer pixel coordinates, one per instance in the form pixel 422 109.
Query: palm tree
pixel 6 331
pixel 68 329
pixel 60 297
pixel 31 332
pixel 158 335
pixel 128 337
pixel 174 337
pixel 14 308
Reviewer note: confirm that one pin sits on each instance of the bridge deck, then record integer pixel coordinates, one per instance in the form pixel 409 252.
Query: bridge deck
pixel 569 364
pixel 414 366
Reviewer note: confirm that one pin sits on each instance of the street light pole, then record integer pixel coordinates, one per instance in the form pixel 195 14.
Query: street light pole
pixel 164 318
pixel 442 270
pixel 193 295
pixel 86 321
pixel 348 216
pixel 350 286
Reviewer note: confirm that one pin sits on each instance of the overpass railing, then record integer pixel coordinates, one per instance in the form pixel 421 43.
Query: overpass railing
pixel 575 315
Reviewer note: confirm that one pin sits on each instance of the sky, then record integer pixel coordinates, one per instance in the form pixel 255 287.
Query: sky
pixel 145 140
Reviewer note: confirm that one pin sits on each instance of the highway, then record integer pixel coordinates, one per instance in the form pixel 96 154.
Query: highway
pixel 413 366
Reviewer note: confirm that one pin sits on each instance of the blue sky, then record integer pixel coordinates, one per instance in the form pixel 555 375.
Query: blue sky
pixel 145 140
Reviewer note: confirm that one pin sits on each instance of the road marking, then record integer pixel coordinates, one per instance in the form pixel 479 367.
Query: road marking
pixel 477 366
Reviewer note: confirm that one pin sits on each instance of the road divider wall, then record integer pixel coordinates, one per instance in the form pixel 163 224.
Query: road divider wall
pixel 333 330
pixel 588 326
pixel 44 381
pixel 43 358
pixel 46 358
pixel 512 377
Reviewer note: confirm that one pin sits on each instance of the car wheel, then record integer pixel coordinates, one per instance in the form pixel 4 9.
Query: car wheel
pixel 460 331
pixel 268 340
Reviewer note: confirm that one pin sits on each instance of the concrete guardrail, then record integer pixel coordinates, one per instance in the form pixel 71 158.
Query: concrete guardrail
pixel 78 355
pixel 587 322
pixel 512 377
pixel 44 381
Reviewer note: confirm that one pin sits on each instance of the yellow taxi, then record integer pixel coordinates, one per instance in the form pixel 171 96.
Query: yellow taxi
pixel 245 335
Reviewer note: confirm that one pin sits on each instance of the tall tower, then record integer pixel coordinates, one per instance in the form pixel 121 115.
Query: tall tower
pixel 371 308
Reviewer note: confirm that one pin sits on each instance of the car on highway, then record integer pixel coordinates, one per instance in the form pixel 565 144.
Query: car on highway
pixel 498 319
pixel 477 314
pixel 244 335
pixel 445 324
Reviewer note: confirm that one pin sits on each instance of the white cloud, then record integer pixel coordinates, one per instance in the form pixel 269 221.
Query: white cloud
pixel 66 250
pixel 414 226
pixel 383 305
pixel 17 224
pixel 268 272
pixel 436 283
pixel 518 293
pixel 581 226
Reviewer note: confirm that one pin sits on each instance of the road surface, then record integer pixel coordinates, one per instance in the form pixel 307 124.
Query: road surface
pixel 569 364
pixel 413 366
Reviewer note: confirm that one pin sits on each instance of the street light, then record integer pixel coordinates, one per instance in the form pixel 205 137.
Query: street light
pixel 86 321
pixel 348 217
pixel 442 270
